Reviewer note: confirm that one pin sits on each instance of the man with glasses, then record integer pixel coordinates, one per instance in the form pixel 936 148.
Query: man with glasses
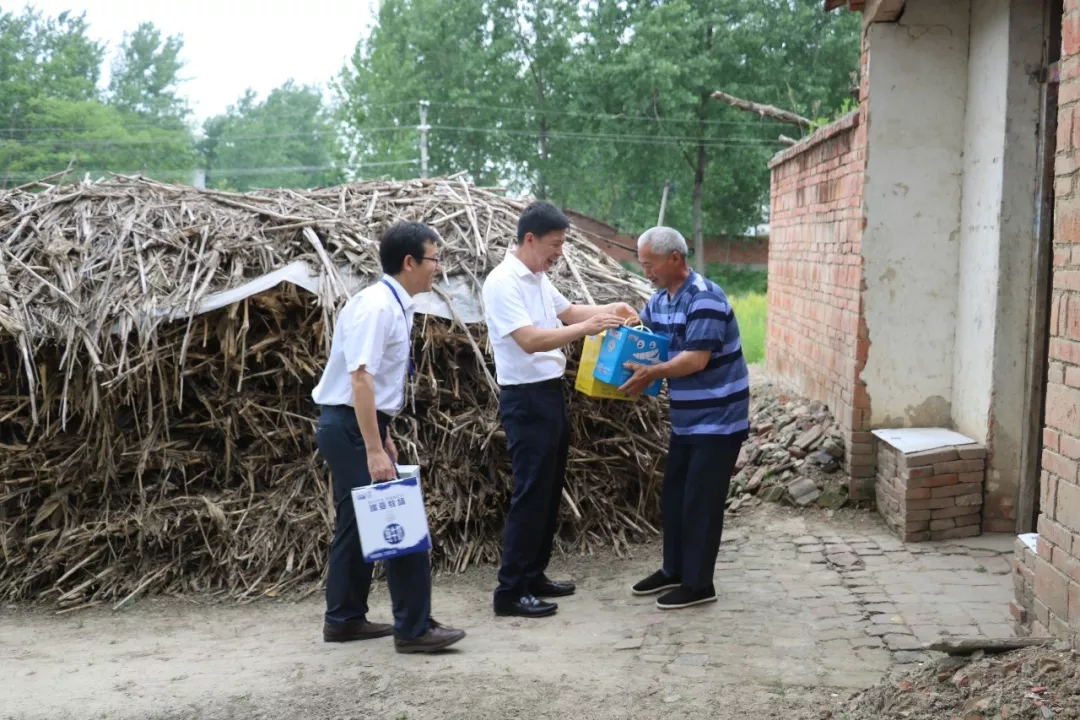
pixel 361 389
pixel 528 321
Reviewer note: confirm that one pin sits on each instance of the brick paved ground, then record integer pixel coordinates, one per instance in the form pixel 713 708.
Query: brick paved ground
pixel 811 608
pixel 806 603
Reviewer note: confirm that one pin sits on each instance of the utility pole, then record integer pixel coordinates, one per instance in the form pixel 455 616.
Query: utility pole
pixel 423 128
pixel 663 202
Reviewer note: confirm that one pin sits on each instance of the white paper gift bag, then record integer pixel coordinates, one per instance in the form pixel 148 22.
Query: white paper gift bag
pixel 391 517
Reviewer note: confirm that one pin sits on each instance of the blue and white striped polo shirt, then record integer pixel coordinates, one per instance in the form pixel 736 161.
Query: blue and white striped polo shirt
pixel 714 402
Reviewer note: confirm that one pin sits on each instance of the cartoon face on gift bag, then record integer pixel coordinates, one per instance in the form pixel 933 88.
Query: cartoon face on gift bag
pixel 650 356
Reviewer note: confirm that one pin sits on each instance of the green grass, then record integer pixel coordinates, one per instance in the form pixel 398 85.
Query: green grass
pixel 746 291
pixel 734 280
pixel 737 281
pixel 751 311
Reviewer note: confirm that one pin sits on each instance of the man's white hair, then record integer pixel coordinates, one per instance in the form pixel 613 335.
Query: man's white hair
pixel 663 241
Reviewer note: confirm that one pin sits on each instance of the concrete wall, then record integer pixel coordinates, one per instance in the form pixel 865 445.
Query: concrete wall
pixel 918 96
pixel 984 151
pixel 947 145
pixel 1016 273
pixel 997 241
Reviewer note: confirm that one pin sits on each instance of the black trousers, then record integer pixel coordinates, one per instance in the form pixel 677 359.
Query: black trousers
pixel 695 489
pixel 538 437
pixel 348 577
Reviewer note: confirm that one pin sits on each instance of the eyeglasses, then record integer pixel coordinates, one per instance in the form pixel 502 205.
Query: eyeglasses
pixel 432 259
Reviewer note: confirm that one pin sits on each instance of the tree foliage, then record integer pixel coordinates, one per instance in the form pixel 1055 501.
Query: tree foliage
pixel 597 104
pixel 53 115
pixel 287 140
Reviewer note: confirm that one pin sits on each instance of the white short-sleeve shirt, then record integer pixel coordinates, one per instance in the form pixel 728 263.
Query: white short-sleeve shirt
pixel 375 332
pixel 516 297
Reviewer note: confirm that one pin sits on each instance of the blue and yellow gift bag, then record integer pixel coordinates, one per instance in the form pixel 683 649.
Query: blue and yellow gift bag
pixel 586 382
pixel 626 344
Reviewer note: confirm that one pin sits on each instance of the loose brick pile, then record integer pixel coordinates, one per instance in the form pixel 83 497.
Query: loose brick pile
pixel 931 495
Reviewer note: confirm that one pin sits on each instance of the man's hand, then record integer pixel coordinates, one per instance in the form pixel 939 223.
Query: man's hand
pixel 623 311
pixel 380 466
pixel 642 377
pixel 391 449
pixel 600 322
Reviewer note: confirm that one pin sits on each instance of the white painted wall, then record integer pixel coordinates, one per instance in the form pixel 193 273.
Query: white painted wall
pixel 918 99
pixel 1016 245
pixel 950 207
pixel 980 225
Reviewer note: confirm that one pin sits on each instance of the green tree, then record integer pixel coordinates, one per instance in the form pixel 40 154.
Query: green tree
pixel 53 115
pixel 597 104
pixel 92 138
pixel 44 57
pixel 661 66
pixel 145 78
pixel 456 55
pixel 288 140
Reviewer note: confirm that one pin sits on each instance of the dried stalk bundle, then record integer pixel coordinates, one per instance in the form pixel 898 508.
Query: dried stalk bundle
pixel 144 448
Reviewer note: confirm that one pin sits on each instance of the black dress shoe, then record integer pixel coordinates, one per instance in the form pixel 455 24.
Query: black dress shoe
pixel 525 606
pixel 550 588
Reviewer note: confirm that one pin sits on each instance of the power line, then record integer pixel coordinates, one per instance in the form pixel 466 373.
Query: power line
pixel 467 106
pixel 619 137
pixel 141 125
pixel 626 138
pixel 79 142
pixel 607 116
pixel 218 171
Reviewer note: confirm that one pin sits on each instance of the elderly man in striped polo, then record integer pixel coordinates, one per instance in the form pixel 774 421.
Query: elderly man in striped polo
pixel 710 415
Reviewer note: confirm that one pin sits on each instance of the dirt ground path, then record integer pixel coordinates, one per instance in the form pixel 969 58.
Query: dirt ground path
pixel 812 608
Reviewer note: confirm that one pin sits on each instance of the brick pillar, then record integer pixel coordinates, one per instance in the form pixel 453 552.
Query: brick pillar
pixel 1048 580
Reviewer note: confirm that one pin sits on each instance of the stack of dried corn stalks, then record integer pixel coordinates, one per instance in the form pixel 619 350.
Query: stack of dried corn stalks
pixel 147 449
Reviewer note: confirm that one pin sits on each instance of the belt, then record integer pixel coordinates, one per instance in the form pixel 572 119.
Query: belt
pixel 552 384
pixel 381 417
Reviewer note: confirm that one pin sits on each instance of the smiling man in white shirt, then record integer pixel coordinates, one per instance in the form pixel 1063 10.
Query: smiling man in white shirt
pixel 361 389
pixel 528 321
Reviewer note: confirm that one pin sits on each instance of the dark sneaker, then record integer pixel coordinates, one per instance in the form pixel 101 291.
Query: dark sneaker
pixel 355 630
pixel 438 637
pixel 682 597
pixel 655 583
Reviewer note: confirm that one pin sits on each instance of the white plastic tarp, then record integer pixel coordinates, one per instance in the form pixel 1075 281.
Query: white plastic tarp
pixel 464 299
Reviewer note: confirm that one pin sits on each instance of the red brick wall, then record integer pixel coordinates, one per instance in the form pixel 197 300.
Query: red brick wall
pixel 748 251
pixel 743 251
pixel 1056 566
pixel 817 337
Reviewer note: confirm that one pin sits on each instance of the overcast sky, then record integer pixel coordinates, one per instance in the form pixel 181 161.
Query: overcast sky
pixel 231 45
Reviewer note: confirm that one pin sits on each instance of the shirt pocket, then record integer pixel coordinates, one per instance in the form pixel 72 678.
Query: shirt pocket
pixel 547 306
pixel 397 344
